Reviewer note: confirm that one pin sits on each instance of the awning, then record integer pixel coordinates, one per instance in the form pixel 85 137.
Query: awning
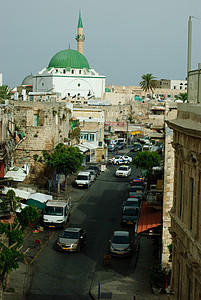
pixel 40 197
pixel 36 203
pixel 149 218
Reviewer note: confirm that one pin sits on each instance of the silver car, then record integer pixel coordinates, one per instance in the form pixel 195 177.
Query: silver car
pixel 121 244
pixel 71 240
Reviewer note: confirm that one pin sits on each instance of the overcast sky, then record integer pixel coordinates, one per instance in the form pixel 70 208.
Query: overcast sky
pixel 124 39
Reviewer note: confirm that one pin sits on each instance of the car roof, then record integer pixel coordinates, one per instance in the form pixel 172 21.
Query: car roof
pixel 132 199
pixel 121 233
pixel 84 173
pixel 71 229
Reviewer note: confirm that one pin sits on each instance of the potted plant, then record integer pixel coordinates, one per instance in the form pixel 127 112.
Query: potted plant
pixel 158 276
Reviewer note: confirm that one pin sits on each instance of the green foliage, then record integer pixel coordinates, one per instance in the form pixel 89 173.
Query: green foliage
pixel 181 96
pixel 64 160
pixel 8 260
pixel 146 160
pixel 13 199
pixel 5 92
pixel 29 214
pixel 158 276
pixel 11 240
pixel 148 82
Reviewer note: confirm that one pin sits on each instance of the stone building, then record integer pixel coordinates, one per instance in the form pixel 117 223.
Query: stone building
pixel 186 211
pixel 170 114
pixel 44 126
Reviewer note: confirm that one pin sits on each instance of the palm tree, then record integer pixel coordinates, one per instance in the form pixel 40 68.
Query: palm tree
pixel 181 96
pixel 148 83
pixel 5 92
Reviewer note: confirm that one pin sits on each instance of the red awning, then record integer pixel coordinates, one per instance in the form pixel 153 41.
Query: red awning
pixel 149 218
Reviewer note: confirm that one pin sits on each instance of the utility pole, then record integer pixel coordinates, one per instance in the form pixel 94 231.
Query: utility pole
pixel 189 53
pixel 127 136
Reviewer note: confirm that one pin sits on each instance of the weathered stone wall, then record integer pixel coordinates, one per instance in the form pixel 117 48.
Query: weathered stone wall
pixel 186 214
pixel 52 128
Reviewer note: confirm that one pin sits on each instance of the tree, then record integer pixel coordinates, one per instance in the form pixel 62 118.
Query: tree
pixel 13 199
pixel 181 96
pixel 29 214
pixel 148 83
pixel 146 160
pixel 65 160
pixel 5 92
pixel 11 240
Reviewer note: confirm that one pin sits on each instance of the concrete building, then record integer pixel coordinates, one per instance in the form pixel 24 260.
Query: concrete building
pixel 91 124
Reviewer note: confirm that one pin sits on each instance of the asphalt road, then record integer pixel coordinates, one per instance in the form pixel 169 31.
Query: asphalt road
pixel 56 275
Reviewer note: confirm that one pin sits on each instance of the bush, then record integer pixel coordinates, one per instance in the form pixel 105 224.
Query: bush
pixel 29 214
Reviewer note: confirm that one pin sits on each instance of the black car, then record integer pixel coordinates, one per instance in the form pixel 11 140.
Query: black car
pixel 71 240
pixel 95 168
pixel 136 148
pixel 129 215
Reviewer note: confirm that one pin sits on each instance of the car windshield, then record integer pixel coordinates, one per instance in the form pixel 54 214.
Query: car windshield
pixel 119 239
pixel 82 177
pixel 130 212
pixel 91 172
pixel 132 203
pixel 54 211
pixel 70 235
pixel 123 169
pixel 117 157
pixel 137 189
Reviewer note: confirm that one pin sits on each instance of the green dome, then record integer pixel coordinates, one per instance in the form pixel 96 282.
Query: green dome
pixel 69 59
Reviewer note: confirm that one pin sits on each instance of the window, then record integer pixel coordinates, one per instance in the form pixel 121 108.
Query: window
pixel 191 202
pixel 180 87
pixel 78 85
pixel 80 71
pixel 72 71
pixel 181 192
pixel 175 87
pixel 64 71
pixel 42 83
pixel 35 120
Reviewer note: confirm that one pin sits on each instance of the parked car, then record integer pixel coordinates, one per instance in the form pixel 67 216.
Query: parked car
pixel 129 216
pixel 133 202
pixel 93 174
pixel 95 168
pixel 136 192
pixel 123 171
pixel 121 244
pixel 83 179
pixel 136 148
pixel 72 239
pixel 137 182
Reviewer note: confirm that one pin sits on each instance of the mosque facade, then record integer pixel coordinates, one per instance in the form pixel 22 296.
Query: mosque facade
pixel 69 73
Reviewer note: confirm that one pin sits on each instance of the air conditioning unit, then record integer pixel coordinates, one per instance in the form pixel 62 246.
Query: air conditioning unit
pixel 100 144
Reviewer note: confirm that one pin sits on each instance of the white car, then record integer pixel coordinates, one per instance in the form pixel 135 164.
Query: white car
pixel 117 160
pixel 127 159
pixel 123 171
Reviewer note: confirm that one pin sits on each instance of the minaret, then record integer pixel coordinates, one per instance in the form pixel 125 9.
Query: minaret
pixel 80 36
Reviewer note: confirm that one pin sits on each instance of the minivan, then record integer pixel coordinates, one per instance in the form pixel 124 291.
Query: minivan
pixel 83 179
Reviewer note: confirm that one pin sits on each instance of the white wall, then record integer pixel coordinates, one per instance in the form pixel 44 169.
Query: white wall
pixel 70 84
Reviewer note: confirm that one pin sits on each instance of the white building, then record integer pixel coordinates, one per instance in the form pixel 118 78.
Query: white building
pixel 69 73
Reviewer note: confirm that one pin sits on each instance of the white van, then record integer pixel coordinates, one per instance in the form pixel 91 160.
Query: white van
pixel 83 179
pixel 56 213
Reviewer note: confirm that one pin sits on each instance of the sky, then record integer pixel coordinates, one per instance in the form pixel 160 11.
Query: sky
pixel 123 39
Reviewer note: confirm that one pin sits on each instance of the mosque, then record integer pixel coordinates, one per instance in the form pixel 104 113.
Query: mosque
pixel 69 73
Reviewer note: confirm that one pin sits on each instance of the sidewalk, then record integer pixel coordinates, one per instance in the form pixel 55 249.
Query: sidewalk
pixel 134 287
